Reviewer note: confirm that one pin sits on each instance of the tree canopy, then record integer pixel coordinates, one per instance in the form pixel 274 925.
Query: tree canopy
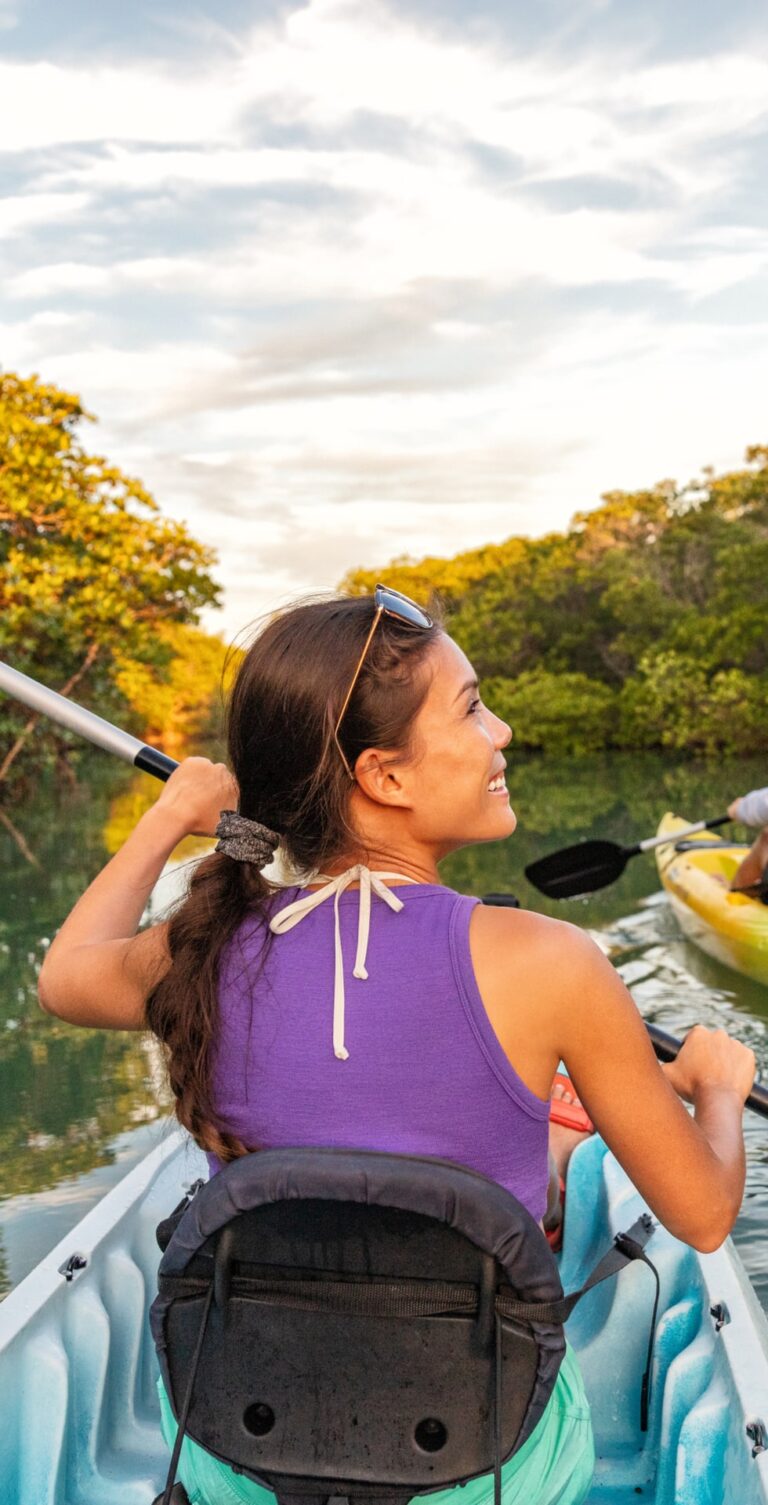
pixel 642 625
pixel 100 595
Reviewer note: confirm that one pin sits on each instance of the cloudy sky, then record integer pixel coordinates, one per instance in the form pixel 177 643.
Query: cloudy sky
pixel 350 279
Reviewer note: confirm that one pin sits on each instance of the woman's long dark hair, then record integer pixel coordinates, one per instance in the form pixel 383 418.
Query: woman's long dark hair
pixel 281 715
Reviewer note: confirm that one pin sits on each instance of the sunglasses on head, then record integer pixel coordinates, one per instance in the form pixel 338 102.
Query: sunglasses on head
pixel 387 603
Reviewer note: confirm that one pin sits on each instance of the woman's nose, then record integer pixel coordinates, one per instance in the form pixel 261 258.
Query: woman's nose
pixel 504 733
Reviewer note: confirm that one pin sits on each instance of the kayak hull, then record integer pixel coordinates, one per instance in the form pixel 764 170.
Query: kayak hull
pixel 78 1356
pixel 731 927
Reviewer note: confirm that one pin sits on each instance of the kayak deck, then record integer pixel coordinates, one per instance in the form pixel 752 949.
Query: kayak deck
pixel 78 1354
pixel 731 927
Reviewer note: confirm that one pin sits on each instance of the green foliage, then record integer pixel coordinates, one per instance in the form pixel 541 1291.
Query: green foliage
pixel 642 625
pixel 555 713
pixel 93 580
pixel 673 702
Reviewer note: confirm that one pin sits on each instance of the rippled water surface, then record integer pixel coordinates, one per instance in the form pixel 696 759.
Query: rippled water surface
pixel 79 1107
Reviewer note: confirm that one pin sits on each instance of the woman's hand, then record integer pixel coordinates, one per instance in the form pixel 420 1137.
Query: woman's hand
pixel 196 793
pixel 710 1058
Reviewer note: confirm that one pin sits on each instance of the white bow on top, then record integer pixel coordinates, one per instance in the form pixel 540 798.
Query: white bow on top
pixel 294 913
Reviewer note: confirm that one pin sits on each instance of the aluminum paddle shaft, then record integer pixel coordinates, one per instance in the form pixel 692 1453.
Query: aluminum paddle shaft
pixel 85 723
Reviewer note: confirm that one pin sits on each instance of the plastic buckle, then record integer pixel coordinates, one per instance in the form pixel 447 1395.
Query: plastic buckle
pixel 628 1246
pixel 719 1314
pixel 757 1434
pixel 73 1265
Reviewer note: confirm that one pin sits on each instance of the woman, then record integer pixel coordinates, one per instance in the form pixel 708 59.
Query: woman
pixel 356 732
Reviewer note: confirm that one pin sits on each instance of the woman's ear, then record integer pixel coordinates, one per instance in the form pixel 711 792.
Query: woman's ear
pixel 381 779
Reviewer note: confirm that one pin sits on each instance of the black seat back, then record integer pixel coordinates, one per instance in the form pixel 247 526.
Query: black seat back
pixel 344 1322
pixel 352 1328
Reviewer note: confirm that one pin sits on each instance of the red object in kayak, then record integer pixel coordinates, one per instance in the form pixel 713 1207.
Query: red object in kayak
pixel 570 1115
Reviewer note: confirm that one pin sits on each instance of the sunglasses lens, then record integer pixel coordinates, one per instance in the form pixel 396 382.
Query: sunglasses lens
pixel 401 606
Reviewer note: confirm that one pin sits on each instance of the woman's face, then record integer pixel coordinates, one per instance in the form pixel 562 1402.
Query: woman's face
pixel 455 783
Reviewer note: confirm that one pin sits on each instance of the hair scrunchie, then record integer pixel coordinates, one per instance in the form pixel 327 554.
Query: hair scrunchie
pixel 245 840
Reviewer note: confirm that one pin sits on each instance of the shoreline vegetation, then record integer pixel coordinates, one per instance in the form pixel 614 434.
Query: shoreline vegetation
pixel 100 597
pixel 641 626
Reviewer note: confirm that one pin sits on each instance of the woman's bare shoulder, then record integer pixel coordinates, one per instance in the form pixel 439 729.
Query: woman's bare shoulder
pixel 520 955
pixel 496 929
pixel 532 972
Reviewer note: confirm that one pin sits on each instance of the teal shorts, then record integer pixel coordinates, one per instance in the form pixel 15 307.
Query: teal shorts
pixel 554 1467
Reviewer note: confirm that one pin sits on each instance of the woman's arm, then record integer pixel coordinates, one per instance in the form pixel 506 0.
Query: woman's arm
pixel 98 971
pixel 551 995
pixel 689 1169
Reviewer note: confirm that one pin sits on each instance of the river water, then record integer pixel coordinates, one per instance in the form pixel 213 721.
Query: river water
pixel 79 1107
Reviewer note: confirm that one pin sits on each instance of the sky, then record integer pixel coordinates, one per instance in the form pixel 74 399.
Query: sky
pixel 355 279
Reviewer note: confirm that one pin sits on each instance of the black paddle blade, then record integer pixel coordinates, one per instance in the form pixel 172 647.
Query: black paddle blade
pixel 580 869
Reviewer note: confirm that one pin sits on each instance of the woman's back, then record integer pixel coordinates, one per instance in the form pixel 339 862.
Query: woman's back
pixel 425 1072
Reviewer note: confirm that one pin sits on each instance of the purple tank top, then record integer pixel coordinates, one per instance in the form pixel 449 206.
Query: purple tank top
pixel 425 1074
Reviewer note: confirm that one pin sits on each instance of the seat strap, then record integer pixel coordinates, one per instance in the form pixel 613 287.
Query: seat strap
pixel 627 1247
pixel 354 1298
pixel 369 1297
pixel 498 1379
pixel 187 1402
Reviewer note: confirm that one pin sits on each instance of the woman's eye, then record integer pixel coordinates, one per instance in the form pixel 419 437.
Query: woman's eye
pixel 474 706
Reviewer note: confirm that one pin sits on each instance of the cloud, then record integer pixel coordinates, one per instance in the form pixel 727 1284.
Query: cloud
pixel 359 280
pixel 21 211
pixel 46 104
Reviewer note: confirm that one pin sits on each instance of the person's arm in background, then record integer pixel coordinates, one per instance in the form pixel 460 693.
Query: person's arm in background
pixel 752 810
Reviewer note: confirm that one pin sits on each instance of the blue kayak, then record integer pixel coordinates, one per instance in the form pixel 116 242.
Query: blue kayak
pixel 79 1422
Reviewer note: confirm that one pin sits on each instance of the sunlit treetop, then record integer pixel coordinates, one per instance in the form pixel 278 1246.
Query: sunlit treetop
pixel 92 575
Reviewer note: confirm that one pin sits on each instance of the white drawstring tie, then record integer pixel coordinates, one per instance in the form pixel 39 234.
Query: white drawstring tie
pixel 294 913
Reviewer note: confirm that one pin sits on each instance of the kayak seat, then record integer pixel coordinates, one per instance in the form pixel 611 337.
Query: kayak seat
pixel 345 1322
pixel 758 890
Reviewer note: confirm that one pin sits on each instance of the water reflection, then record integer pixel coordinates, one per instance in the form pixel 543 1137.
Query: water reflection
pixel 67 1096
pixel 76 1105
pixel 63 1092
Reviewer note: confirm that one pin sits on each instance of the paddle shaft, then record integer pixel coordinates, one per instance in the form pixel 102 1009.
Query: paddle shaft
pixel 667 1048
pixel 85 723
pixel 663 841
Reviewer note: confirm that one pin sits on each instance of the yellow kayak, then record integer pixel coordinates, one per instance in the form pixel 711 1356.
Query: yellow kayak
pixel 731 927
